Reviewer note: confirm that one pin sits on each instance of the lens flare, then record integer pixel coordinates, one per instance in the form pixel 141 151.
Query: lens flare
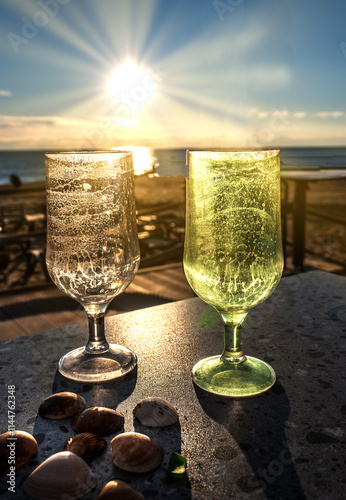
pixel 132 84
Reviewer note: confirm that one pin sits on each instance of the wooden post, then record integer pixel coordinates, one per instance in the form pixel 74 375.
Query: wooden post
pixel 299 215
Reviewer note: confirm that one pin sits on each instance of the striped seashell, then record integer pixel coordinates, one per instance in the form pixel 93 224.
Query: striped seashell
pixel 86 445
pixel 155 412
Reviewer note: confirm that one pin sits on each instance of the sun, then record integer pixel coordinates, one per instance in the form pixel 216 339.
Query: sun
pixel 132 85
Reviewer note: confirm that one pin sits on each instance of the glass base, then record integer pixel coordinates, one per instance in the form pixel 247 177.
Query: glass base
pixel 82 366
pixel 248 378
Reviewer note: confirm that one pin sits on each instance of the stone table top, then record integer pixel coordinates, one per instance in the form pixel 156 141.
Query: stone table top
pixel 286 443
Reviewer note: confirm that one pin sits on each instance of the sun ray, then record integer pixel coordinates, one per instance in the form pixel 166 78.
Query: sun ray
pixel 105 53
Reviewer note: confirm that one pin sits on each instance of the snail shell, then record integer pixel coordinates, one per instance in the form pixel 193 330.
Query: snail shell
pixel 155 412
pixel 16 445
pixel 98 420
pixel 63 475
pixel 119 490
pixel 61 405
pixel 86 445
pixel 135 452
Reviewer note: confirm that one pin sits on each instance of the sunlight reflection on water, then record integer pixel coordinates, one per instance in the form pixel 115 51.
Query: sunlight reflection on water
pixel 144 159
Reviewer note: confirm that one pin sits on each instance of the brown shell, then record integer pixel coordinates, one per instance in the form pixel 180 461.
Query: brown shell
pixel 136 452
pixel 62 405
pixel 86 445
pixel 98 420
pixel 119 490
pixel 63 475
pixel 155 412
pixel 17 445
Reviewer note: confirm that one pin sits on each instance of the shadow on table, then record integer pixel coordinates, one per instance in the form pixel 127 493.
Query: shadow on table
pixel 128 301
pixel 157 483
pixel 52 435
pixel 257 425
pixel 109 394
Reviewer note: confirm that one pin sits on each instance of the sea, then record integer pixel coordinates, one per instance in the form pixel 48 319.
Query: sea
pixel 29 165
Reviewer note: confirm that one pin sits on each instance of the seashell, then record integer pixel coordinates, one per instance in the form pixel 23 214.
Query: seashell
pixel 15 449
pixel 62 405
pixel 86 445
pixel 155 412
pixel 98 420
pixel 119 490
pixel 135 452
pixel 63 475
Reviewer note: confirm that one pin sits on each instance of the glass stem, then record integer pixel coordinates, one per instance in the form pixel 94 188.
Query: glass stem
pixel 97 342
pixel 233 350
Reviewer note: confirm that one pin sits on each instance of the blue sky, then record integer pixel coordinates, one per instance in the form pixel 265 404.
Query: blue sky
pixel 95 74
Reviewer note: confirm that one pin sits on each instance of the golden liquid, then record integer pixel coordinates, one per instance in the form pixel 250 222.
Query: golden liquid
pixel 233 249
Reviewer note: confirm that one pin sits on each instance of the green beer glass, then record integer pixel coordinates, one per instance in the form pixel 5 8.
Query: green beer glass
pixel 233 256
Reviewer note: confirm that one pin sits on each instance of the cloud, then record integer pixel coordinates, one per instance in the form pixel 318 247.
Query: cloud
pixel 71 133
pixel 329 114
pixel 38 132
pixel 5 93
pixel 9 121
pixel 238 126
pixel 263 114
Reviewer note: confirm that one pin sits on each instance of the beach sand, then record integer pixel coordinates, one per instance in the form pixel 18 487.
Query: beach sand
pixel 30 303
pixel 325 223
pixel 325 229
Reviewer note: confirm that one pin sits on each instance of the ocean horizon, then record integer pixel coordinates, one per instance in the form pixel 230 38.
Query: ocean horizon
pixel 29 165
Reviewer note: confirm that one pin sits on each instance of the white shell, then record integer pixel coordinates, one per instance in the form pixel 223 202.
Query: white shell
pixel 61 474
pixel 119 490
pixel 136 452
pixel 155 412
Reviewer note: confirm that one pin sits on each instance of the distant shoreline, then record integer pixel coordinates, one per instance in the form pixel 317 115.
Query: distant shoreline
pixel 325 216
pixel 29 165
pixel 25 187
